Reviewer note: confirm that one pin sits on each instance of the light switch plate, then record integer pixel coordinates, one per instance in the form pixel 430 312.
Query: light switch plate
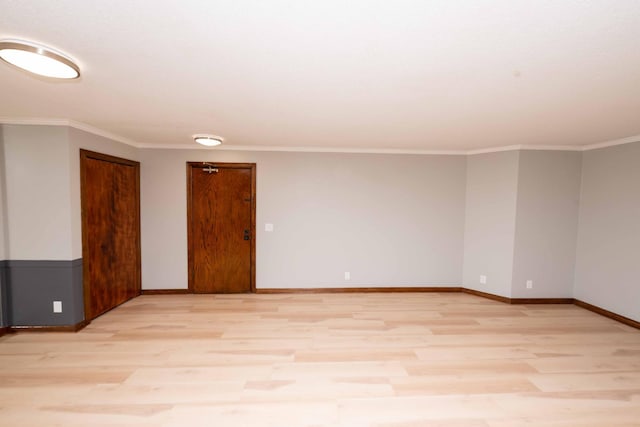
pixel 268 227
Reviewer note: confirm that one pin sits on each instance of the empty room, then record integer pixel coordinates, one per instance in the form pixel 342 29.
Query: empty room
pixel 320 213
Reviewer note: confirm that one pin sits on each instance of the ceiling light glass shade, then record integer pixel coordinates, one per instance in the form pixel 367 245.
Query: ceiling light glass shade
pixel 38 59
pixel 208 140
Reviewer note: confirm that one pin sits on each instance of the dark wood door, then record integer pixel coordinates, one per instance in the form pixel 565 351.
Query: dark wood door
pixel 110 231
pixel 221 216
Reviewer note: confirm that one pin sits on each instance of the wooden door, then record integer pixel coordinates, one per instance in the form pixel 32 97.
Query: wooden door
pixel 110 231
pixel 221 227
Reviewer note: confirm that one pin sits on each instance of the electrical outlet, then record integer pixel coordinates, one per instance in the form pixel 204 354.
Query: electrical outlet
pixel 347 275
pixel 57 306
pixel 529 284
pixel 483 279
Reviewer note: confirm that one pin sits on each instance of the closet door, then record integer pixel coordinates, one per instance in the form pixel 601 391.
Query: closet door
pixel 110 231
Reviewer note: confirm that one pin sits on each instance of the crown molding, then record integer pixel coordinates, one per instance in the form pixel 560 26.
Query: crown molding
pixel 299 149
pixel 526 147
pixel 33 121
pixel 103 133
pixel 621 141
pixel 70 123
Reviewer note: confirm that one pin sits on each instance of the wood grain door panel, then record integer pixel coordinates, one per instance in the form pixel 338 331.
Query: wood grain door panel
pixel 221 228
pixel 110 231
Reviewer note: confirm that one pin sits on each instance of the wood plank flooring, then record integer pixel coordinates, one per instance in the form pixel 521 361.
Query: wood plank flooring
pixel 409 359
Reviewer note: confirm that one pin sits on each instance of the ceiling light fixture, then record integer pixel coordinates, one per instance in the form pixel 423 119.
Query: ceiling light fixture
pixel 38 59
pixel 208 140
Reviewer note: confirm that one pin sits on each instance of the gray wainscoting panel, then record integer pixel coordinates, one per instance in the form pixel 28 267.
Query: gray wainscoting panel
pixel 4 318
pixel 32 286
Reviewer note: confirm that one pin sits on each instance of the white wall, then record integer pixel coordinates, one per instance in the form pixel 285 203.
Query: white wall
pixel 390 220
pixel 38 194
pixel 489 230
pixel 79 139
pixel 608 256
pixel 4 233
pixel 546 224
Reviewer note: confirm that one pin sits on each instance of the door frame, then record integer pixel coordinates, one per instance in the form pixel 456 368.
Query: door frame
pixel 86 285
pixel 222 165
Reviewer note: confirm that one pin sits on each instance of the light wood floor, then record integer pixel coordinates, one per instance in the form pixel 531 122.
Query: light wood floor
pixel 404 359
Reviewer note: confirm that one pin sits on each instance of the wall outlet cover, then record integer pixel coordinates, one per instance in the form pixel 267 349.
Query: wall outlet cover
pixel 483 279
pixel 57 306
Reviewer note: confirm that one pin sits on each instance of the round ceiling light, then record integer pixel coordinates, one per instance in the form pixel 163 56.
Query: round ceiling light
pixel 208 140
pixel 38 59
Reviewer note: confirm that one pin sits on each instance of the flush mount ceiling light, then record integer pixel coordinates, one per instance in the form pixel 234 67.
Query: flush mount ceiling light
pixel 208 140
pixel 38 59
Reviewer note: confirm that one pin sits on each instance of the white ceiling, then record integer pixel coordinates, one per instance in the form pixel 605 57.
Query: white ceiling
pixel 398 75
